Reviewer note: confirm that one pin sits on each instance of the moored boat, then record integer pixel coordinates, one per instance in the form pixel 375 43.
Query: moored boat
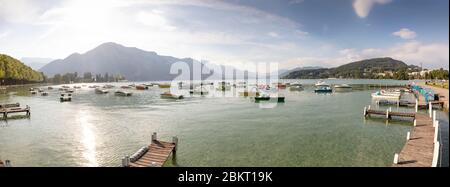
pixel 382 94
pixel 141 87
pixel 323 89
pixel 164 85
pixel 168 95
pixel 44 94
pixel 101 91
pixel 249 94
pixel 122 93
pixel 322 84
pixel 296 87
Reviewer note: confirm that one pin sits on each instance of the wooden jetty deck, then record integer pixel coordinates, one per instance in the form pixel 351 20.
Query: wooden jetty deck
pixel 388 113
pixel 6 109
pixel 154 155
pixel 420 149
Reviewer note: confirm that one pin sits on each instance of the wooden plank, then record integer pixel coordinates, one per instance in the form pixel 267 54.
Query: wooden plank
pixel 158 153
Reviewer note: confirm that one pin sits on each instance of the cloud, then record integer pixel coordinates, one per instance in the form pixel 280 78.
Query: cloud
pixel 273 34
pixel 432 55
pixel 405 34
pixel 363 7
pixel 296 1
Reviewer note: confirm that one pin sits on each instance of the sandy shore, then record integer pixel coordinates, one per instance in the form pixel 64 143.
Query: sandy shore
pixel 440 91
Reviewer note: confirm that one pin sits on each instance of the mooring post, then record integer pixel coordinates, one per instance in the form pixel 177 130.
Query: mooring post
pixel 415 122
pixel 365 111
pixel 435 155
pixel 436 131
pixel 408 136
pixel 387 113
pixel 390 109
pixel 368 108
pixel 417 105
pixel 434 118
pixel 396 158
pixel 154 136
pixel 430 108
pixel 8 163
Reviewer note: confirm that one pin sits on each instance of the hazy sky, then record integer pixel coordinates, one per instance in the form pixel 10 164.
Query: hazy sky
pixel 292 32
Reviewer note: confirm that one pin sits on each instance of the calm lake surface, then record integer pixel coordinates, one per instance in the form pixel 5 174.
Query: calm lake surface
pixel 307 130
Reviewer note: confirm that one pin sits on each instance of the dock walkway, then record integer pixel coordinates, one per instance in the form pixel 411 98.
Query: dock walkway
pixel 154 155
pixel 420 147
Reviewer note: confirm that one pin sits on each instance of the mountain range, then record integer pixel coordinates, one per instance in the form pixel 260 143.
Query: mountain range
pixel 36 63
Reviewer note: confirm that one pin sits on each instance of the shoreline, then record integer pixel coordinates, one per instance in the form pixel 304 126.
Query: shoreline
pixel 441 91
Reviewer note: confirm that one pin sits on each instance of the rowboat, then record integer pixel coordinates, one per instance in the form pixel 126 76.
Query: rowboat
pixel 141 87
pixel 343 87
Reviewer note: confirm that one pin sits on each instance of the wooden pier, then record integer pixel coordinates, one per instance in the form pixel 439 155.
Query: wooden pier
pixel 154 155
pixel 388 113
pixel 6 109
pixel 422 147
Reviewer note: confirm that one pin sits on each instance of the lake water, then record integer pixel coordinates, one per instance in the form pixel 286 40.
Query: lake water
pixel 307 130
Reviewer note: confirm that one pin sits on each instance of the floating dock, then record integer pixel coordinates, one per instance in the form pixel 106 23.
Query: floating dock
pixel 422 147
pixel 6 109
pixel 154 155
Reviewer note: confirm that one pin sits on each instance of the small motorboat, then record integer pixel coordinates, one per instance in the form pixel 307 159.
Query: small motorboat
pixel 385 95
pixel 40 90
pixel 125 87
pixel 50 88
pixel 77 87
pixel 168 95
pixel 108 86
pixel 101 91
pixel 44 94
pixel 281 86
pixel 322 84
pixel 141 87
pixel 68 90
pixel 268 97
pixel 33 92
pixel 93 86
pixel 323 89
pixel 65 97
pixel 122 93
pixel 296 87
pixel 66 86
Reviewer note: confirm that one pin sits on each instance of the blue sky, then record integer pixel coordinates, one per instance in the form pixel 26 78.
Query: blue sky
pixel 291 32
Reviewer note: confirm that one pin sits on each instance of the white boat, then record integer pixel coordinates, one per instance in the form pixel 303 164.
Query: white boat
pixel 322 84
pixel 122 93
pixel 385 95
pixel 101 91
pixel 296 87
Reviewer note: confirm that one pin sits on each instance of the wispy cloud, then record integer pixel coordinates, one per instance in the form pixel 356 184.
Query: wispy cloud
pixel 405 34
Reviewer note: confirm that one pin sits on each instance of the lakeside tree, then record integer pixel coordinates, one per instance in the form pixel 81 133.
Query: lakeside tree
pixel 88 77
pixel 12 71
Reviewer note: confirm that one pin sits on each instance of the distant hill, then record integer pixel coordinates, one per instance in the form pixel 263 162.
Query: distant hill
pixel 36 63
pixel 132 63
pixel 284 72
pixel 369 68
pixel 12 71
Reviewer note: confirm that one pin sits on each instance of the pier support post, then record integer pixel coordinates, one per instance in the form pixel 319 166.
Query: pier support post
pixel 396 158
pixel 415 122
pixel 368 108
pixel 430 108
pixel 417 105
pixel 408 136
pixel 174 155
pixel 387 113
pixel 365 112
pixel 390 109
pixel 154 136
pixel 435 155
pixel 8 163
pixel 126 161
pixel 436 132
